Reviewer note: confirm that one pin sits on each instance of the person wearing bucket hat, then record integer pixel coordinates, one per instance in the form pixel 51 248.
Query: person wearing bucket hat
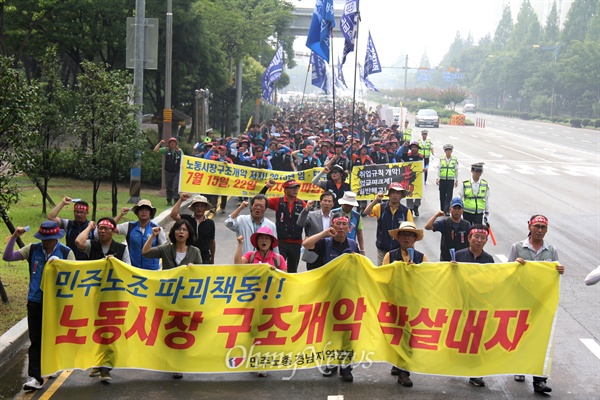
pixel 406 235
pixel 535 248
pixel 335 183
pixel 390 214
pixel 172 166
pixel 287 211
pixel 454 229
pixel 447 178
pixel 203 228
pixel 136 233
pixel 355 232
pixel 73 227
pixel 263 241
pixel 37 256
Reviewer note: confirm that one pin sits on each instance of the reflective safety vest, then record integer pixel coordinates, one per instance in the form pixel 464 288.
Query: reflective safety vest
pixel 448 169
pixel 407 135
pixel 474 203
pixel 425 148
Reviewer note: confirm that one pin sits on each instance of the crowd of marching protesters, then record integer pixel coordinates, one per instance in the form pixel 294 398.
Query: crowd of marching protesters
pixel 296 138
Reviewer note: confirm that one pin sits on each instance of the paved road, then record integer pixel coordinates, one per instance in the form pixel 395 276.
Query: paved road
pixel 532 168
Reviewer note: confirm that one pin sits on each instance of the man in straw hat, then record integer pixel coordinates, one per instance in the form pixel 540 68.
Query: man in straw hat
pixel 37 254
pixel 406 235
pixel 203 227
pixel 136 233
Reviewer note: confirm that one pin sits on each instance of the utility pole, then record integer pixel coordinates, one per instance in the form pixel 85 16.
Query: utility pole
pixel 167 112
pixel 138 83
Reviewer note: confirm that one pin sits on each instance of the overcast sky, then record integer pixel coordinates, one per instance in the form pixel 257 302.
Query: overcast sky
pixel 414 26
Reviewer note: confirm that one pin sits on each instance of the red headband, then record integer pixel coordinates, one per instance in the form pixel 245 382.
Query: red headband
pixel 475 230
pixel 81 207
pixel 106 222
pixel 52 231
pixel 539 219
pixel 333 221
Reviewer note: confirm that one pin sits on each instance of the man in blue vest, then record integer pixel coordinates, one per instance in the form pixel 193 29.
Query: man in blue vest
pixel 328 245
pixel 390 214
pixel 73 227
pixel 172 167
pixel 136 234
pixel 38 255
pixel 475 193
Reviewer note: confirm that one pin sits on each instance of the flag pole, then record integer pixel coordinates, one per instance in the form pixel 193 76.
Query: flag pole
pixel 304 90
pixel 332 78
pixel 355 68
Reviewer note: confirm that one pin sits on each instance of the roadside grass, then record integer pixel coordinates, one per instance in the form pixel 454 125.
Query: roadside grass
pixel 28 212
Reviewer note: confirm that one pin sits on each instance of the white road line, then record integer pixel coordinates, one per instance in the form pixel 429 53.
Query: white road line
pixel 592 346
pixel 524 171
pixel 555 134
pixel 569 137
pixel 335 397
pixel 527 154
pixel 495 154
pixel 585 141
pixel 573 173
pixel 502 258
pixel 548 172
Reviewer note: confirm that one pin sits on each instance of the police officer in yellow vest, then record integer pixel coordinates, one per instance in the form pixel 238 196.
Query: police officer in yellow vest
pixel 447 178
pixel 475 194
pixel 406 133
pixel 425 151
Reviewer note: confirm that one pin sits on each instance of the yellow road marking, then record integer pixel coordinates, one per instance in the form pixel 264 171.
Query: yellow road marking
pixel 56 384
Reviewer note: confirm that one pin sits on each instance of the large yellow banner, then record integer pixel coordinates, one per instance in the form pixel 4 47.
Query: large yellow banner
pixel 432 318
pixel 217 177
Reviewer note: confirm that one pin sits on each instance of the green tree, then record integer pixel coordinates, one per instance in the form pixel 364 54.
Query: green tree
pixel 552 28
pixel 105 114
pixel 578 17
pixel 15 109
pixel 503 30
pixel 593 30
pixel 42 136
pixel 527 29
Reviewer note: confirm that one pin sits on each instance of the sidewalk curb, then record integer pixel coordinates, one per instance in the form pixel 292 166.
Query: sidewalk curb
pixel 13 340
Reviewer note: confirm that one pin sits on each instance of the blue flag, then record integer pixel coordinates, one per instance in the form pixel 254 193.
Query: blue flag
pixel 319 72
pixel 339 79
pixel 272 74
pixel 348 26
pixel 364 79
pixel 372 64
pixel 319 33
